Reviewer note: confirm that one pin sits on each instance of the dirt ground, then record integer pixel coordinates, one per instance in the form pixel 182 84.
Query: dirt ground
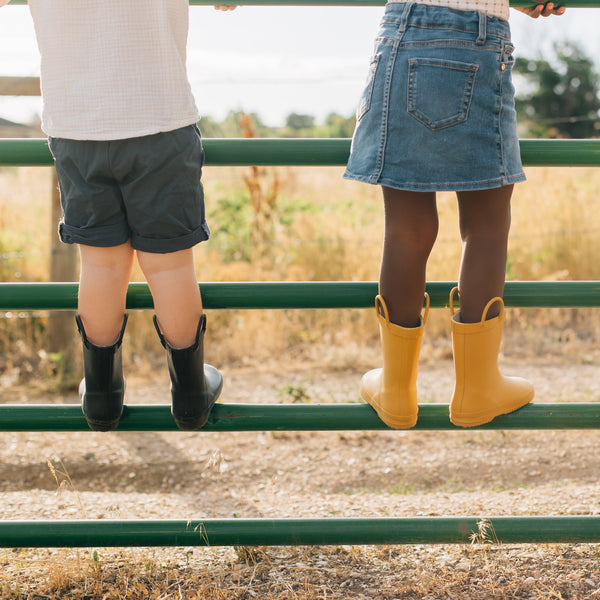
pixel 322 474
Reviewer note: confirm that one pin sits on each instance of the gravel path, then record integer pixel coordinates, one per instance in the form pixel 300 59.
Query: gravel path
pixel 315 474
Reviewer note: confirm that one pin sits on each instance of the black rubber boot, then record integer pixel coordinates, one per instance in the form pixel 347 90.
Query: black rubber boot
pixel 103 386
pixel 195 387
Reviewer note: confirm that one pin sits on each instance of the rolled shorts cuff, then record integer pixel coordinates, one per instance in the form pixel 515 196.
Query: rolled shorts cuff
pixel 164 246
pixel 102 237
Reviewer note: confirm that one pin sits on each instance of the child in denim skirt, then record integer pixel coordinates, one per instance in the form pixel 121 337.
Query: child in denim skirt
pixel 121 120
pixel 437 113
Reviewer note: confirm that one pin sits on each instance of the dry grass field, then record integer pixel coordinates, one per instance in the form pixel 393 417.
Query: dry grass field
pixel 317 227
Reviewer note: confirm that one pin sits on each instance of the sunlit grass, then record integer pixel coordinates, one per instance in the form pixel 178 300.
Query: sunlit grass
pixel 322 227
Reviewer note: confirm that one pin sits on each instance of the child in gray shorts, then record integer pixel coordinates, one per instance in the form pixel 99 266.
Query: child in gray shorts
pixel 121 121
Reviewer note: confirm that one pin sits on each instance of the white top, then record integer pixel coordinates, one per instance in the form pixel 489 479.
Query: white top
pixel 495 8
pixel 113 69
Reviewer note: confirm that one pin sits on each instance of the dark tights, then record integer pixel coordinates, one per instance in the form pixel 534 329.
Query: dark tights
pixel 411 227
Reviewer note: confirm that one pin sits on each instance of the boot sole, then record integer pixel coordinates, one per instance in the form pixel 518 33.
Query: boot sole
pixel 103 425
pixel 470 420
pixel 191 424
pixel 391 420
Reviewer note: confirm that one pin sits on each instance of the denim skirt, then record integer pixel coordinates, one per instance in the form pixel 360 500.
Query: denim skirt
pixel 437 111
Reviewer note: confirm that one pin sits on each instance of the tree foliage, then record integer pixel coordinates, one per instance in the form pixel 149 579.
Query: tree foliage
pixel 231 126
pixel 560 98
pixel 237 124
pixel 297 121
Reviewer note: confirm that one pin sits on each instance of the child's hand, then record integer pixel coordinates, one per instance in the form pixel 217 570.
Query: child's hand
pixel 3 2
pixel 216 7
pixel 543 10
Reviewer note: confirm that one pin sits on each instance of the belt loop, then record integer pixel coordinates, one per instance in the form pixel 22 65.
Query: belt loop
pixel 482 29
pixel 404 19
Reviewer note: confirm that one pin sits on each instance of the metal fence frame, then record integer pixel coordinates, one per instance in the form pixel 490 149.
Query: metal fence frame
pixel 324 417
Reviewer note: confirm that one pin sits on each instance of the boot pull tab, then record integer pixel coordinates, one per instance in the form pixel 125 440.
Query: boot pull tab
pixel 489 305
pixel 199 332
pixel 201 326
pixel 382 309
pixel 88 344
pixel 453 292
pixel 426 311
pixel 161 337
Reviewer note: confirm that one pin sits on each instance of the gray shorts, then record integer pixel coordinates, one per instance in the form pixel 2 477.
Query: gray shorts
pixel 146 190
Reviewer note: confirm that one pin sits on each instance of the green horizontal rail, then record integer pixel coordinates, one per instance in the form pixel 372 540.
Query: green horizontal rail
pixel 310 152
pixel 293 417
pixel 283 532
pixel 350 3
pixel 300 294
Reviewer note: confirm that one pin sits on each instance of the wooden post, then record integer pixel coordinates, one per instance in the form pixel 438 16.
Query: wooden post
pixel 19 86
pixel 62 336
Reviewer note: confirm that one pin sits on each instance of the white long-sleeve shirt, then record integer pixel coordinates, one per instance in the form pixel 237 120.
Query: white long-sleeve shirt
pixel 495 8
pixel 113 69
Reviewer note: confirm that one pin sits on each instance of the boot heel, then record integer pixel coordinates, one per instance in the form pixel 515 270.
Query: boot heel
pixel 195 386
pixel 103 386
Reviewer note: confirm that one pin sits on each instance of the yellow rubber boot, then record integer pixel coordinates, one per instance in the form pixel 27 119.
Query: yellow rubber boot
pixel 392 390
pixel 481 393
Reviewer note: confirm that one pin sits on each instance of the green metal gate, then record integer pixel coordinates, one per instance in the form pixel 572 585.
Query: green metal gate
pixel 298 417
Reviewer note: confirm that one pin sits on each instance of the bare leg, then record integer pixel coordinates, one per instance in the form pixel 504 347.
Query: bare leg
pixel 484 218
pixel 103 285
pixel 411 227
pixel 174 287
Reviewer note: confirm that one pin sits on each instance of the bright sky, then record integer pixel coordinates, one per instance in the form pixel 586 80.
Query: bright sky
pixel 277 60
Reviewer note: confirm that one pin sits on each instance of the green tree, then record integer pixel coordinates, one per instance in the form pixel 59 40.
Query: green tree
pixel 210 128
pixel 296 121
pixel 231 127
pixel 561 98
pixel 338 126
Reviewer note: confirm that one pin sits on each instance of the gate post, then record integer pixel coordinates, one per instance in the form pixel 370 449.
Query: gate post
pixel 61 335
